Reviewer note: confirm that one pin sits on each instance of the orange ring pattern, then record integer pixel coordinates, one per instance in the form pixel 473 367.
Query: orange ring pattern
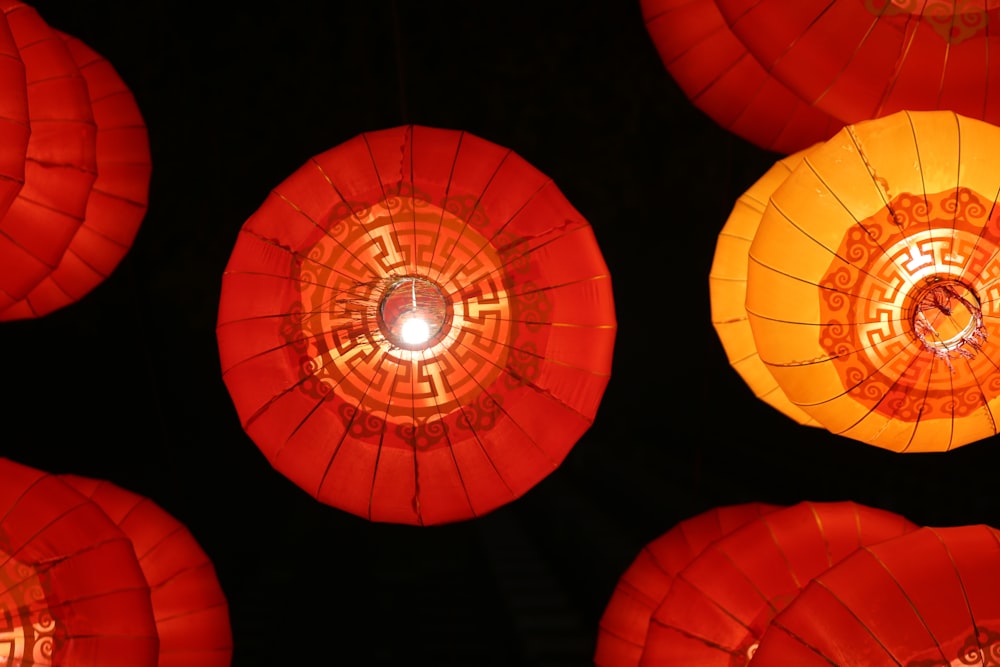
pixel 864 304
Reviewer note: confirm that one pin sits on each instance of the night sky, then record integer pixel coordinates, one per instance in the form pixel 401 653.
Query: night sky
pixel 126 384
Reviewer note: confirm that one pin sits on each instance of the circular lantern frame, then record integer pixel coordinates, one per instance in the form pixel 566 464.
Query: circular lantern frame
pixel 480 413
pixel 871 285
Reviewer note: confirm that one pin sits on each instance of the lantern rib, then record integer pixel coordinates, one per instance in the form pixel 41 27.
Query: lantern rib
pixel 445 197
pixel 819 583
pixel 502 227
pixel 913 607
pixel 479 440
pixel 349 204
pixel 295 207
pixel 780 123
pixel 475 434
pixel 407 139
pixel 814 511
pixel 909 34
pixel 378 450
pixel 776 623
pixel 479 197
pixel 813 22
pixel 178 529
pixel 923 181
pixel 382 356
pixel 887 203
pixel 690 635
pixel 710 599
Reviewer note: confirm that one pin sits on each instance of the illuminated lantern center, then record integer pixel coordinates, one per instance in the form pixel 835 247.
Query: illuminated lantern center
pixel 947 318
pixel 412 312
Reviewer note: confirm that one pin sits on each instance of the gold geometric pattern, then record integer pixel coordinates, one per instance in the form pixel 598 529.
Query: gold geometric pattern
pixel 336 339
pixel 27 628
pixel 922 263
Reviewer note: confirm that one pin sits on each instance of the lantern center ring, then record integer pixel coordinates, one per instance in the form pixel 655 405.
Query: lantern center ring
pixel 412 312
pixel 947 318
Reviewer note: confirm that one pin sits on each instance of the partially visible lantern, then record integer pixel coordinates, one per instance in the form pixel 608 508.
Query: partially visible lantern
pixel 86 170
pixel 864 59
pixel 13 117
pixel 416 326
pixel 871 285
pixel 189 605
pixel 71 589
pixel 621 635
pixel 720 604
pixel 723 79
pixel 727 282
pixel 925 599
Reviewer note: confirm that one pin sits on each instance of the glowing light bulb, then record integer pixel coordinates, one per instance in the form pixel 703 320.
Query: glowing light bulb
pixel 415 331
pixel 412 312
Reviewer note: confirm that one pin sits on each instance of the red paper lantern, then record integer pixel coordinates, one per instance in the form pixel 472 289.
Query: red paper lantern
pixel 718 606
pixel 86 171
pixel 621 635
pixel 720 77
pixel 863 59
pixel 71 589
pixel 416 326
pixel 13 117
pixel 189 606
pixel 925 599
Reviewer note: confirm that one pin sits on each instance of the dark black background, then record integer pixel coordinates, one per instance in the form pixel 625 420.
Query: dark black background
pixel 125 385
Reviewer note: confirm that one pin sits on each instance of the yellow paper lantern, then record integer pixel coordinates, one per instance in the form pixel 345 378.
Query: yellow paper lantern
pixel 727 282
pixel 872 283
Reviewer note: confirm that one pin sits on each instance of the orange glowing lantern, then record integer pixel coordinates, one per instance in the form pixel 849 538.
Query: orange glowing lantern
pixel 72 591
pixel 719 605
pixel 189 606
pixel 416 326
pixel 621 635
pixel 86 171
pixel 926 599
pixel 864 59
pixel 727 289
pixel 871 286
pixel 717 73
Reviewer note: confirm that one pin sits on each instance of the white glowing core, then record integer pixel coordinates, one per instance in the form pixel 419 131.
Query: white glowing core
pixel 415 331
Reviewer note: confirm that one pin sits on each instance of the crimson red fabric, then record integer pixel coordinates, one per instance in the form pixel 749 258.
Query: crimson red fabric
pixel 71 583
pixel 723 79
pixel 75 166
pixel 189 605
pixel 871 58
pixel 720 604
pixel 621 635
pixel 922 599
pixel 492 402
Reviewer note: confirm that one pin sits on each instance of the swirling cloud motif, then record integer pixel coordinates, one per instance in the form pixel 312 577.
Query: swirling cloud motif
pixel 73 590
pixel 416 326
pixel 871 286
